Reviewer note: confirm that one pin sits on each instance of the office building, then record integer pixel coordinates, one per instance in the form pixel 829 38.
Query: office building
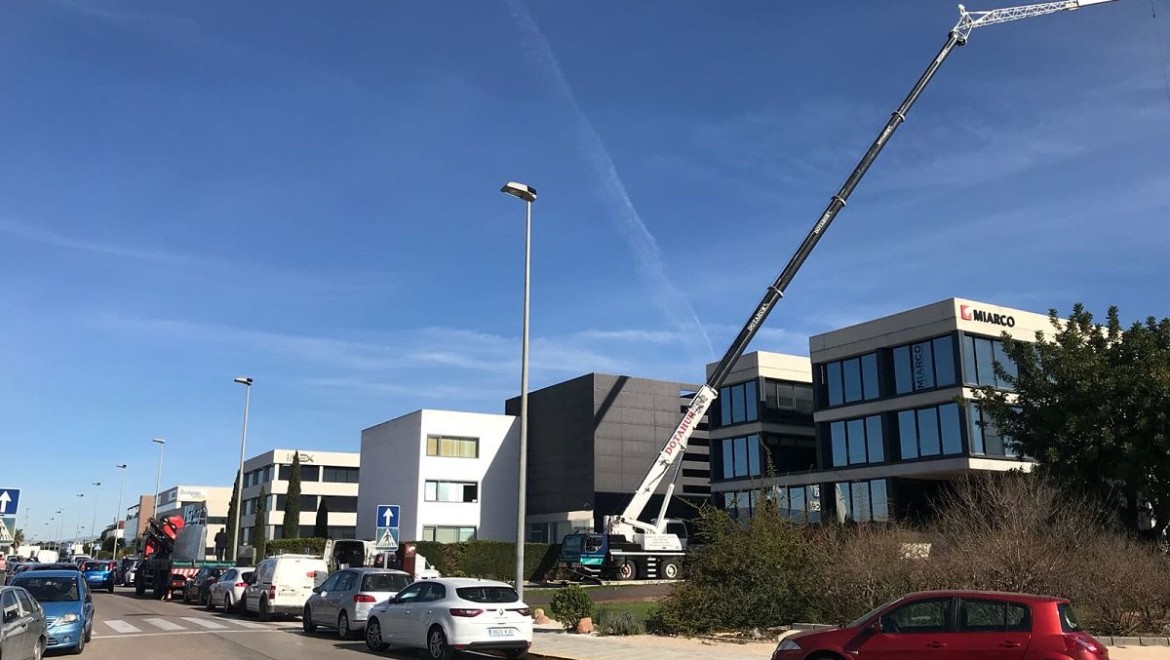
pixel 328 478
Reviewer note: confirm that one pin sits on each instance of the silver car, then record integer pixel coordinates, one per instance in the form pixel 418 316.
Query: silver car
pixel 344 600
pixel 22 631
pixel 229 589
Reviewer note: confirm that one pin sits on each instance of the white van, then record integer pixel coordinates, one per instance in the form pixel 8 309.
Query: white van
pixel 282 585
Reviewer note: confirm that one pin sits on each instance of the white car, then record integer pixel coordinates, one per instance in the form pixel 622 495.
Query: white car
pixel 229 589
pixel 446 615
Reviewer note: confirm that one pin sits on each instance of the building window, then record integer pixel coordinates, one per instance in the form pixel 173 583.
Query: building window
pixel 851 380
pixel 338 504
pixel 308 473
pixel 857 441
pixel 740 457
pixel 924 365
pixel 862 501
pixel 800 504
pixel 341 532
pixel 340 475
pixel 448 534
pixel 452 447
pixel 787 402
pixel 739 403
pixel 267 474
pixel 986 439
pixel 932 431
pixel 979 358
pixel 451 491
pixel 308 503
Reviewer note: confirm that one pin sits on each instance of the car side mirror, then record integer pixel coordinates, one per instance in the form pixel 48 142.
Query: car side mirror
pixel 10 616
pixel 875 627
pixel 317 590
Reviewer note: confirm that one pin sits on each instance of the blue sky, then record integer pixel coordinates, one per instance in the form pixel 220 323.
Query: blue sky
pixel 307 193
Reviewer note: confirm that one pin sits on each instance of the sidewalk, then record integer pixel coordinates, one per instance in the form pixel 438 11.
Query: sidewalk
pixel 551 643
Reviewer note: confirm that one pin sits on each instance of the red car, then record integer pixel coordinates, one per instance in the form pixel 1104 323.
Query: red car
pixel 953 625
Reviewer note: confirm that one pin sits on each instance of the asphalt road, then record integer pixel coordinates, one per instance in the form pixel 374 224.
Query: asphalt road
pixel 129 628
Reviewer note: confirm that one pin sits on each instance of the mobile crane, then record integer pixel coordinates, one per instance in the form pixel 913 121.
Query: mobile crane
pixel 630 548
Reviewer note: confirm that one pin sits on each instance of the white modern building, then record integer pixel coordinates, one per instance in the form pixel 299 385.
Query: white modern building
pixel 328 478
pixel 455 475
pixel 216 499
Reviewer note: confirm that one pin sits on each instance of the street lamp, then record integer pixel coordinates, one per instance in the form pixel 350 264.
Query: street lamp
pixel 77 532
pixel 158 477
pixel 236 532
pixel 93 521
pixel 528 194
pixel 60 528
pixel 118 511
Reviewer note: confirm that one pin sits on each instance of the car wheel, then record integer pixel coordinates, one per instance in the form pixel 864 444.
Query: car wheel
pixel 437 646
pixel 186 598
pixel 227 604
pixel 242 606
pixel 516 654
pixel 671 570
pixel 89 633
pixel 39 649
pixel 307 621
pixel 343 629
pixel 626 570
pixel 110 588
pixel 262 612
pixel 80 645
pixel 210 602
pixel 374 636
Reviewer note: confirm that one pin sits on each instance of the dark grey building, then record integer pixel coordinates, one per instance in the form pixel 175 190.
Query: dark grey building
pixel 591 441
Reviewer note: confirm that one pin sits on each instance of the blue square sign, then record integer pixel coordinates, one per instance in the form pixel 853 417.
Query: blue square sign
pixel 9 501
pixel 387 515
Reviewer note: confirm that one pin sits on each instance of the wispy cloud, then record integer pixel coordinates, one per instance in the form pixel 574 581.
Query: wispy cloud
pixel 671 300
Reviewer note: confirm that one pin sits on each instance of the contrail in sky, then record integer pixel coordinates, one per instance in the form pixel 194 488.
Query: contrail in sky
pixel 671 300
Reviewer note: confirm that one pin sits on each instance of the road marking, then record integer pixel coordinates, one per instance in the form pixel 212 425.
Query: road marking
pixel 163 624
pixel 122 626
pixel 206 623
pixel 247 624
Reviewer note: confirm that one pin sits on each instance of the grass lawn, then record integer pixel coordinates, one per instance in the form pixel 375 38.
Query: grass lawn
pixel 641 611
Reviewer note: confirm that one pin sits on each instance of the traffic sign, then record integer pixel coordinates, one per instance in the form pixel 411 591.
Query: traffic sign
pixel 386 538
pixel 9 501
pixel 7 530
pixel 388 515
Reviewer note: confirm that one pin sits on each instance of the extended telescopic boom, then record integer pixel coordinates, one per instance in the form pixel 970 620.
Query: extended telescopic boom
pixel 702 400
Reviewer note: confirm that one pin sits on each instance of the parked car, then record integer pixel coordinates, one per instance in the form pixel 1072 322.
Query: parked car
pixel 56 566
pixel 445 614
pixel 100 574
pixel 197 588
pixel 954 625
pixel 344 600
pixel 129 570
pixel 282 585
pixel 23 635
pixel 67 603
pixel 229 589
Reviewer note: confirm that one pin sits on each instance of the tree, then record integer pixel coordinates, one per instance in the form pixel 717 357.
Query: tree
pixel 230 526
pixel 17 539
pixel 321 526
pixel 292 506
pixel 1093 408
pixel 259 541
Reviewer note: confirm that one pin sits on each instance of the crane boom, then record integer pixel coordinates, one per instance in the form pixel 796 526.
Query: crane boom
pixel 676 446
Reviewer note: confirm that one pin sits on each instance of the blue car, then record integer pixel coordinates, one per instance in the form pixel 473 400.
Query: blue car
pixel 68 606
pixel 100 574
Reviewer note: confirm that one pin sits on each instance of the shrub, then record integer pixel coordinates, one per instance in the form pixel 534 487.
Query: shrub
pixel 571 604
pixel 753 574
pixel 618 622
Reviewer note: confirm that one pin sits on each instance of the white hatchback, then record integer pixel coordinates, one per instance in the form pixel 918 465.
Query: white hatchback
pixel 446 615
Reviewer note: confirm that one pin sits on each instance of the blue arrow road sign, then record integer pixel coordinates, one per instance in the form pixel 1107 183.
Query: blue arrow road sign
pixel 387 515
pixel 10 502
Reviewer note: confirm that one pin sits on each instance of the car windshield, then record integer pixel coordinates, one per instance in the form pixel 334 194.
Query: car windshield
pixel 49 589
pixel 97 566
pixel 571 544
pixel 862 619
pixel 385 582
pixel 1068 618
pixel 488 594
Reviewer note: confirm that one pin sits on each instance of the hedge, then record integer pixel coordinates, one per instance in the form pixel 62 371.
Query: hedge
pixel 309 546
pixel 490 559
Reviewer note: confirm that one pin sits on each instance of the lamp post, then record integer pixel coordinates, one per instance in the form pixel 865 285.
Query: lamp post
pixel 236 531
pixel 93 521
pixel 77 531
pixel 60 528
pixel 158 477
pixel 528 195
pixel 118 511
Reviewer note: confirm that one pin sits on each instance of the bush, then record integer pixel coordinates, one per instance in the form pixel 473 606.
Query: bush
pixel 618 622
pixel 571 604
pixel 744 575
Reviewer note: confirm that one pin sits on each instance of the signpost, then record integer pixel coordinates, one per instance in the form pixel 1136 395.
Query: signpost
pixel 9 506
pixel 386 530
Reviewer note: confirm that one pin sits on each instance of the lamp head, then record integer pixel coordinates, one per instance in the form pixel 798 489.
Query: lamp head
pixel 243 380
pixel 519 190
pixel 159 441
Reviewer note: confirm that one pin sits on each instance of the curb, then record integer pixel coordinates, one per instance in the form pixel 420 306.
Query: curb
pixel 1135 641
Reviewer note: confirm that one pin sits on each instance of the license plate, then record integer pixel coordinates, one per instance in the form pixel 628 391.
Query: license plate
pixel 501 632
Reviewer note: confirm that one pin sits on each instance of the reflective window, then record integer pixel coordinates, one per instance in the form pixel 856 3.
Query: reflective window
pixel 950 428
pixel 928 439
pixel 874 442
pixel 862 501
pixel 448 534
pixel 787 402
pixel 924 616
pixel 739 403
pixel 986 440
pixel 728 458
pixel 993 616
pixel 930 431
pixel 924 365
pixel 449 491
pixel 855 432
pixel 741 466
pixel 979 357
pixel 851 380
pixel 856 441
pixel 908 434
pixel 740 457
pixel 840 456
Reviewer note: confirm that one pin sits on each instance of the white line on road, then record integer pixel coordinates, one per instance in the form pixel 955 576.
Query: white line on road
pixel 248 624
pixel 122 627
pixel 163 624
pixel 206 623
